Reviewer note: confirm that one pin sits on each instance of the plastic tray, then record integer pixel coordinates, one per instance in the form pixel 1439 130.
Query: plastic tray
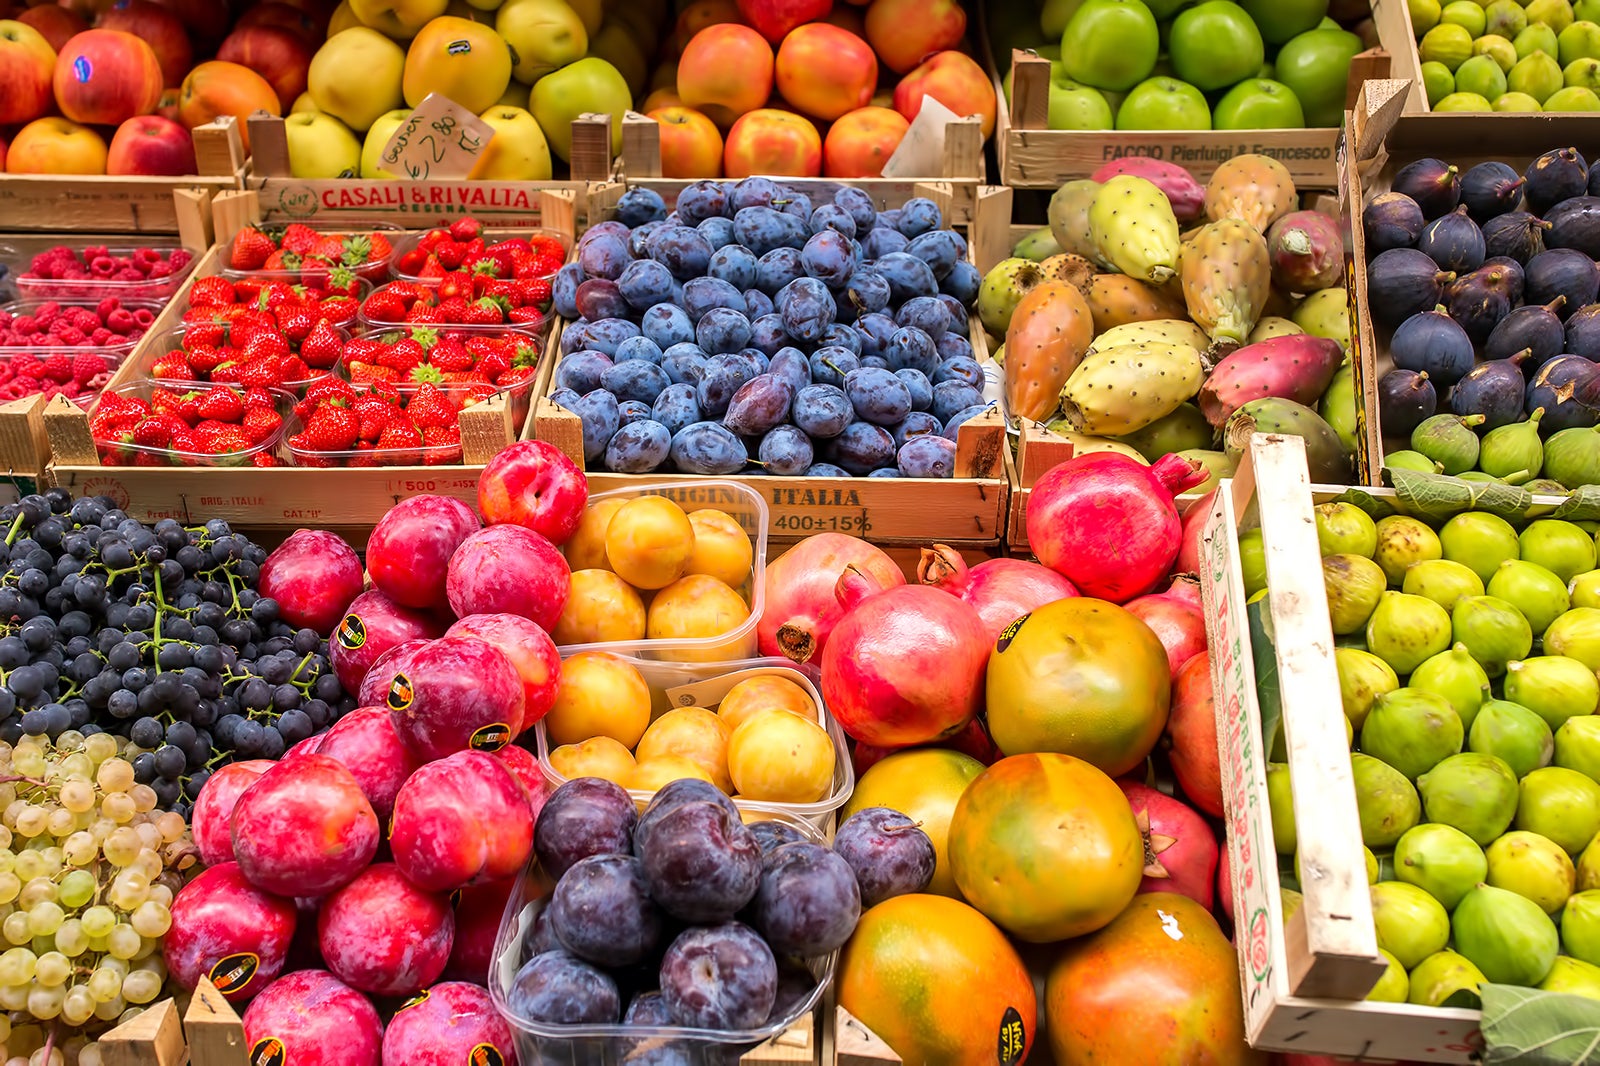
pixel 490 236
pixel 121 348
pixel 538 329
pixel 423 455
pixel 363 290
pixel 374 271
pixel 111 357
pixel 171 340
pixel 142 387
pixel 667 682
pixel 546 1044
pixel 745 506
pixel 90 290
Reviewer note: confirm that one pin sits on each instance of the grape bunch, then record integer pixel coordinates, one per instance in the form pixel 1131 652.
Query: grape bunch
pixel 89 866
pixel 155 634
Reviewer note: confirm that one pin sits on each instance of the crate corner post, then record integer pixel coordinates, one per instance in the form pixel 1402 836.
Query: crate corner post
pixel 153 1038
pixel 216 1035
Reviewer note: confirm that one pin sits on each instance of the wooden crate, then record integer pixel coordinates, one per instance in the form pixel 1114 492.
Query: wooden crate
pixel 208 1034
pixel 1304 979
pixel 966 511
pixel 105 204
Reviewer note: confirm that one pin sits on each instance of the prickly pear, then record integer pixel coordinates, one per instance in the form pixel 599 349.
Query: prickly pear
pixel 1038 245
pixel 1227 276
pixel 1164 331
pixel 1298 368
pixel 1338 406
pixel 1255 189
pixel 1307 252
pixel 1325 313
pixel 1075 270
pixel 1269 326
pixel 1069 219
pixel 1188 199
pixel 1134 228
pixel 1004 286
pixel 1182 430
pixel 1116 299
pixel 1326 458
pixel 1049 333
pixel 1116 391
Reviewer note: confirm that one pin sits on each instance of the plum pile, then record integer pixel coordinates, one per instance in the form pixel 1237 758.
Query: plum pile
pixel 1488 281
pixel 749 329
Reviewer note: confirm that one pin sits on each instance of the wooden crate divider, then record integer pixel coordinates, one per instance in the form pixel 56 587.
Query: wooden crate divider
pixel 210 1034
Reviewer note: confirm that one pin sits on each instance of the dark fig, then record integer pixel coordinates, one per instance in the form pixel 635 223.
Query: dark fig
pixel 1575 223
pixel 1432 183
pixel 1453 241
pixel 1493 389
pixel 1554 177
pixel 1594 179
pixel 1562 272
pixel 1405 398
pixel 1535 326
pixel 1479 300
pixel 1401 282
pixel 1568 388
pixel 1583 332
pixel 1515 276
pixel 1433 342
pixel 1490 189
pixel 1391 220
pixel 1515 235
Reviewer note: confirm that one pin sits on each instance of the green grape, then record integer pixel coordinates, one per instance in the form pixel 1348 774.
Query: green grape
pixel 30 762
pixel 31 821
pixel 38 890
pixel 17 966
pixel 44 1002
pixel 8 860
pixel 105 983
pixel 77 796
pixel 99 944
pixel 52 968
pixel 130 889
pixel 77 766
pixel 14 997
pixel 91 1056
pixel 124 942
pixel 119 807
pixel 78 1008
pixel 171 825
pixel 141 986
pixel 10 886
pixel 61 822
pixel 151 920
pixel 122 846
pixel 15 928
pixel 147 949
pixel 101 828
pixel 45 917
pixel 148 862
pixel 81 848
pixel 144 798
pixel 30 864
pixel 98 921
pixel 100 747
pixel 161 894
pixel 71 940
pixel 114 775
pixel 5 1027
pixel 111 1010
pixel 76 889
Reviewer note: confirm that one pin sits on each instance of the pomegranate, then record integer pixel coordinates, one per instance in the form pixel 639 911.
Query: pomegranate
pixel 1107 523
pixel 1000 590
pixel 974 740
pixel 1177 623
pixel 1186 587
pixel 801 608
pixel 1192 731
pixel 904 665
pixel 1194 524
pixel 1180 851
pixel 1224 884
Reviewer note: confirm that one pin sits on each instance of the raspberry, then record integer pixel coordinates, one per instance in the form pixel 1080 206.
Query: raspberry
pixel 86 367
pixel 120 320
pixel 105 307
pixel 25 324
pixel 143 317
pixel 83 318
pixel 58 367
pixel 102 337
pixel 103 266
pixel 46 313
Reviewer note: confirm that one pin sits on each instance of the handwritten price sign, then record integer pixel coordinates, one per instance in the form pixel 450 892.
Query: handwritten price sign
pixel 441 139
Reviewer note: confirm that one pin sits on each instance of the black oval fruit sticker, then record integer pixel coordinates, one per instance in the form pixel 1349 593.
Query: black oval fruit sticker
pixel 400 693
pixel 268 1051
pixel 485 1055
pixel 458 47
pixel 1013 1038
pixel 491 737
pixel 1009 633
pixel 352 632
pixel 233 972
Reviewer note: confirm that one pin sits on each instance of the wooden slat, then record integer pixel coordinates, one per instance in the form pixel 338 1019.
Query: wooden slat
pixel 153 1038
pixel 216 1035
pixel 591 148
pixel 218 148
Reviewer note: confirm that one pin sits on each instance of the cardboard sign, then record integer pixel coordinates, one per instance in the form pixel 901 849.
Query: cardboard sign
pixel 441 139
pixel 921 150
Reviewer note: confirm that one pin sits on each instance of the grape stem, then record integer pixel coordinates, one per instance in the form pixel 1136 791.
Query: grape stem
pixel 11 535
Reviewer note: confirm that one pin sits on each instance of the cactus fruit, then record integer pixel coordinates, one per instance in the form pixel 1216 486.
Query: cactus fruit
pixel 1117 391
pixel 1083 443
pixel 1049 334
pixel 1187 197
pixel 1069 219
pixel 1255 189
pixel 1326 458
pixel 1134 228
pixel 1227 275
pixel 1116 300
pixel 1162 331
pixel 1307 251
pixel 1075 270
pixel 1269 326
pixel 1297 368
pixel 1039 245
pixel 1007 282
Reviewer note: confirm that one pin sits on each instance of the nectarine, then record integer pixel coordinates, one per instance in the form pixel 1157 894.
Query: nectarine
pixel 905 32
pixel 769 141
pixel 824 72
pixel 860 143
pixel 953 79
pixel 218 88
pixel 691 145
pixel 726 70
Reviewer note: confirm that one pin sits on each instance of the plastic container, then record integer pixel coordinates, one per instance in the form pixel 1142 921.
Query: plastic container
pixel 423 455
pixel 410 241
pixel 123 346
pixel 110 360
pixel 547 1044
pixel 242 284
pixel 93 290
pixel 126 454
pixel 744 505
pixel 523 389
pixel 674 685
pixel 538 329
pixel 171 340
pixel 374 270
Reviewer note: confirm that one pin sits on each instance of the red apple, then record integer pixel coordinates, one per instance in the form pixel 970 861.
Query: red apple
pixel 530 650
pixel 365 741
pixel 904 32
pixel 158 27
pixel 534 484
pixel 409 551
pixel 509 570
pixel 479 909
pixel 725 72
pixel 382 935
pixel 775 18
pixel 279 55
pixel 860 143
pixel 825 72
pixel 314 575
pixel 311 1018
pixel 691 144
pixel 151 146
pixel 304 828
pixel 285 17
pixel 462 820
pixel 211 822
pixel 309 746
pixel 372 624
pixel 454 1023
pixel 456 693
pixel 953 79
pixel 225 928
pixel 105 77
pixel 769 141
pixel 206 20
pixel 27 63
pixel 58 24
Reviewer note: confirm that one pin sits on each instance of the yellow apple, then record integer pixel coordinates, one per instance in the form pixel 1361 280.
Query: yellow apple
pixel 589 85
pixel 544 36
pixel 383 128
pixel 320 146
pixel 342 19
pixel 462 10
pixel 516 95
pixel 357 75
pixel 485 5
pixel 463 60
pixel 592 12
pixel 614 44
pixel 518 152
pixel 401 19
pixel 56 146
pixel 304 103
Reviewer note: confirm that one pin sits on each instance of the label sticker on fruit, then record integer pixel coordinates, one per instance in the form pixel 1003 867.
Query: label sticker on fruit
pixel 268 1051
pixel 491 737
pixel 441 139
pixel 400 693
pixel 352 632
pixel 1009 633
pixel 420 997
pixel 233 972
pixel 1013 1038
pixel 485 1055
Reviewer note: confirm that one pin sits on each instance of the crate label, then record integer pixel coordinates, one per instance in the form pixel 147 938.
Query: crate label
pixel 441 139
pixel 1186 153
pixel 504 203
pixel 802 510
pixel 443 485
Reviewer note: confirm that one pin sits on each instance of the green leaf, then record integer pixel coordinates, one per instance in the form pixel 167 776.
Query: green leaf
pixel 1534 1028
pixel 1268 695
pixel 1377 507
pixel 1581 506
pixel 1438 497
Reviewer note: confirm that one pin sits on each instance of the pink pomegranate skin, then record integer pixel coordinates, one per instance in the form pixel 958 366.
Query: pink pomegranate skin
pixel 211 821
pixel 445 1028
pixel 1177 623
pixel 801 608
pixel 1180 848
pixel 384 936
pixel 317 1020
pixel 1194 524
pixel 372 625
pixel 409 551
pixel 304 828
pixel 509 570
pixel 1000 590
pixel 365 741
pixel 313 575
pixel 219 915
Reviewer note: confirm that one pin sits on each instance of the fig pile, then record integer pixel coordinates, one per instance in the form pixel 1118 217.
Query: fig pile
pixel 1485 283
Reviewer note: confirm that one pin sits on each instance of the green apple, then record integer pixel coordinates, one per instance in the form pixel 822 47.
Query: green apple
pixel 1215 44
pixel 1164 104
pixel 589 85
pixel 1279 20
pixel 1258 104
pixel 615 46
pixel 1437 82
pixel 356 76
pixel 378 135
pixel 1481 75
pixel 1054 17
pixel 1110 44
pixel 1501 50
pixel 320 146
pixel 303 102
pixel 1537 75
pixel 519 150
pixel 1466 14
pixel 1581 40
pixel 1505 18
pixel 1583 73
pixel 1078 107
pixel 1537 38
pixel 1463 102
pixel 1425 14
pixel 1557 14
pixel 1573 98
pixel 544 35
pixel 1517 102
pixel 1316 68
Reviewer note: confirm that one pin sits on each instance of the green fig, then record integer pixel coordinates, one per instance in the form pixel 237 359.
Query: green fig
pixel 1354 584
pixel 1442 581
pixel 1362 678
pixel 1406 459
pixel 1572 456
pixel 1578 745
pixel 1560 547
pixel 1533 866
pixel 1589 868
pixel 1183 428
pixel 1345 529
pixel 1280 802
pixel 1493 631
pixel 1538 593
pixel 1449 441
pixel 1584 590
pixel 1580 927
pixel 1393 986
pixel 1411 924
pixel 1252 561
pixel 1476 794
pixel 1512 733
pixel 1405 630
pixel 1386 801
pixel 1561 804
pixel 1412 730
pixel 1401 542
pixel 1440 976
pixel 1456 676
pixel 1573 977
pixel 1505 935
pixel 1553 686
pixel 1576 635
pixel 1511 448
pixel 1441 860
pixel 1480 540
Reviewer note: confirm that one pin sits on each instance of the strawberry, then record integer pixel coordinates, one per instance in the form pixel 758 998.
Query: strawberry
pixel 451 308
pixel 299 238
pixel 525 316
pixel 486 311
pixel 211 291
pixel 516 376
pixel 332 429
pixel 365 373
pixel 384 305
pixel 421 314
pixel 450 255
pixel 443 445
pixel 264 460
pixel 449 354
pixel 265 345
pixel 374 413
pixel 174 366
pixel 536 291
pixel 339 310
pixel 251 248
pixel 431 407
pixel 424 374
pixel 466 229
pixel 364 349
pixel 294 369
pixel 322 347
pixel 258 397
pixel 205 358
pixel 152 433
pixel 260 423
pixel 223 405
pixel 296 321
pixel 327 249
pixel 263 373
pixel 282 260
pixel 402 354
pixel 331 389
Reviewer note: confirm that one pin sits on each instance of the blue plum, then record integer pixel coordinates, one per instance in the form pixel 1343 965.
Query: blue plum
pixel 767 333
pixel 826 470
pixel 861 448
pixel 600 298
pixel 601 911
pixel 581 370
pixel 786 451
pixel 962 283
pixel 808 902
pixel 639 205
pixel 684 362
pixel 564 398
pixel 718 230
pixel 807 308
pixel 909 346
pixel 826 257
pixel 645 283
pixel 564 290
pixel 960 368
pixel 832 216
pixel 941 249
pixel 920 387
pixel 926 313
pixel 915 424
pixel 961 416
pixel 604 256
pixel 882 240
pixel 777 268
pixel 867 291
pixel 702 294
pixel 720 378
pixel 918 215
pixel 606 334
pixel 760 404
pixel 677 407
pixel 950 397
pixel 684 251
pixel 889 853
pixel 639 239
pixel 791 365
pixel 859 206
pixel 702 200
pixel 907 276
pixel 667 324
pixel 561 989
pixel 754 192
pixel 734 264
pixel 638 448
pixel 927 455
pixel 640 347
pixel 953 346
pixel 632 411
pixel 585 816
pixel 874 331
pixel 839 335
pixel 635 379
pixel 822 411
pixel 722 330
pixel 601 419
pixel 719 977
pixel 830 365
pixel 878 396
pixel 708 448
pixel 757 303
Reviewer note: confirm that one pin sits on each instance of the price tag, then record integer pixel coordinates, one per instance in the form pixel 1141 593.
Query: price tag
pixel 921 150
pixel 441 139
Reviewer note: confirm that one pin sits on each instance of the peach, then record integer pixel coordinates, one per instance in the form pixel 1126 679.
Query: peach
pixel 691 144
pixel 221 88
pixel 602 608
pixel 953 79
pixel 860 143
pixel 158 27
pixel 726 71
pixel 280 56
pixel 104 77
pixel 660 98
pixel 904 32
pixel 693 733
pixel 151 146
pixel 601 695
pixel 27 62
pixel 55 23
pixel 56 146
pixel 825 72
pixel 769 141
